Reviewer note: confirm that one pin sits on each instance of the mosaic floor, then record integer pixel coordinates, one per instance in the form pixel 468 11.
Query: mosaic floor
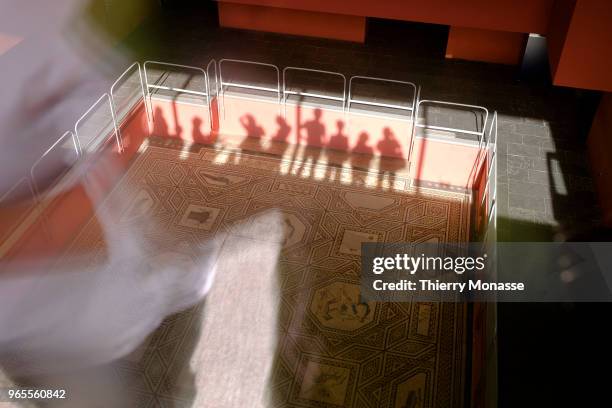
pixel 283 324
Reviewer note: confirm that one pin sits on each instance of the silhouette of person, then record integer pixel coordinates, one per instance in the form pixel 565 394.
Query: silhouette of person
pixel 252 140
pixel 361 157
pixel 315 130
pixel 160 127
pixel 198 136
pixel 279 141
pixel 362 145
pixel 283 130
pixel 339 142
pixel 388 145
pixel 391 157
pixel 252 128
pixel 315 133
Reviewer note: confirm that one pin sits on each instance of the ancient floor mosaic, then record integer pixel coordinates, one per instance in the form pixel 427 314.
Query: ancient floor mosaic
pixel 329 348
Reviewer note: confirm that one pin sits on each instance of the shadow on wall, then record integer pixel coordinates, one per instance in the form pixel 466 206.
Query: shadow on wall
pixel 311 134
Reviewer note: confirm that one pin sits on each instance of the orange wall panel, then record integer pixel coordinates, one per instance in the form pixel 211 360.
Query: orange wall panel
pixel 485 45
pixel 504 15
pixel 385 136
pixel 448 164
pixel 296 22
pixel 560 19
pixel 67 213
pixel 311 126
pixel 584 59
pixel 186 121
pixel 242 117
pixel 600 152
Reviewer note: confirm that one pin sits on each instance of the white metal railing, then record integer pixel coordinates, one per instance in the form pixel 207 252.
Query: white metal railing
pixel 119 82
pixel 16 190
pixel 489 196
pixel 59 143
pixel 223 83
pixel 410 108
pixel 426 126
pixel 150 86
pixel 488 145
pixel 105 98
pixel 213 64
pixel 311 94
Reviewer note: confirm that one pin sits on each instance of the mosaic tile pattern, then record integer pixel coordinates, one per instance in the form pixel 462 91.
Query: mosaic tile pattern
pixel 332 349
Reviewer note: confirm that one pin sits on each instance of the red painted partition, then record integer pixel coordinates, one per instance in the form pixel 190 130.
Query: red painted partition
pixel 433 161
pixel 386 136
pixel 504 15
pixel 318 127
pixel 474 44
pixel 600 152
pixel 185 120
pixel 65 214
pixel 579 44
pixel 241 117
pixel 295 22
pixel 445 163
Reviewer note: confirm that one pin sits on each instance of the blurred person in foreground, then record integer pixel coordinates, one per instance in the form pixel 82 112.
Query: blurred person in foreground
pixel 63 319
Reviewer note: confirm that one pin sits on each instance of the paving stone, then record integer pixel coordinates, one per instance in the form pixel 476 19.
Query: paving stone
pixel 527 202
pixel 523 150
pixel 532 130
pixel 517 174
pixel 530 189
pixel 511 137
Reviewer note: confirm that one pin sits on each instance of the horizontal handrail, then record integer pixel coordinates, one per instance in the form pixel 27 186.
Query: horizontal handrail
pixel 381 104
pixel 245 86
pixel 450 129
pixel 200 70
pixel 213 63
pixel 14 187
pixel 86 114
pixel 181 90
pixel 61 139
pixel 314 95
pixel 120 80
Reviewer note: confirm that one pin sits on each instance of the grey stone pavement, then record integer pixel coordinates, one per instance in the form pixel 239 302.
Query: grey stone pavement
pixel 544 184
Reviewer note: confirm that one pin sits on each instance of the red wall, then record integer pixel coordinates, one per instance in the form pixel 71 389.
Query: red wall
pixel 502 15
pixel 288 21
pixel 485 45
pixel 66 214
pixel 580 44
pixel 600 152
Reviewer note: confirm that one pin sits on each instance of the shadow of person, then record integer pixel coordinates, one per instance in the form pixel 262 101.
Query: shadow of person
pixel 160 126
pixel 251 140
pixel 338 152
pixel 361 157
pixel 197 135
pixel 391 158
pixel 252 128
pixel 283 130
pixel 279 142
pixel 315 140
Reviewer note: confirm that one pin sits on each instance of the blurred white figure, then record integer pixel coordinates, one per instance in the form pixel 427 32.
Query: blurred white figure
pixel 76 314
pixel 48 77
pixel 64 325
